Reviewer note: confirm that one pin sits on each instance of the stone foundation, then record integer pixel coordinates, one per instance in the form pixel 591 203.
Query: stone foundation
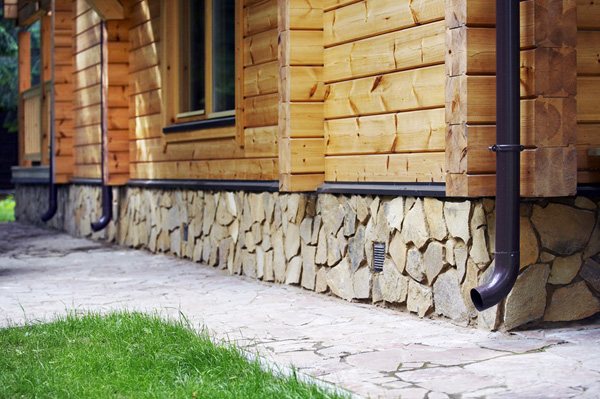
pixel 436 250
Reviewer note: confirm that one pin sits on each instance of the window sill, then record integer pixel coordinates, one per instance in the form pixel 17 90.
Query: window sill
pixel 200 125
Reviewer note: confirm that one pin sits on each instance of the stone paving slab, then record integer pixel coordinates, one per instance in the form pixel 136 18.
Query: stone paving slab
pixel 373 352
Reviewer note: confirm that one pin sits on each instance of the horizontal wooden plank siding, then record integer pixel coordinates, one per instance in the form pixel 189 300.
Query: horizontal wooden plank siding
pixel 549 87
pixel 86 100
pixel 218 153
pixel 588 84
pixel 301 96
pixel 63 82
pixel 384 74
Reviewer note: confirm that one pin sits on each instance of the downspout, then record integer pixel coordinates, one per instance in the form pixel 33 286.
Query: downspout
pixel 106 190
pixel 52 189
pixel 507 149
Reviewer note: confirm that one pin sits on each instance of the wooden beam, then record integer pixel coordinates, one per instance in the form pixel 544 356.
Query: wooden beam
pixel 108 9
pixel 24 61
pixel 28 12
pixel 11 10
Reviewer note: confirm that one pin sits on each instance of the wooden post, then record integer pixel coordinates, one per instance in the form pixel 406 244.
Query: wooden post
pixel 301 95
pixel 117 150
pixel 24 72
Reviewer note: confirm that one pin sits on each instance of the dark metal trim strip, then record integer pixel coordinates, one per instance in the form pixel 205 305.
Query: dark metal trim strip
pixel 588 190
pixel 210 185
pixel 87 182
pixel 27 181
pixel 393 189
pixel 199 125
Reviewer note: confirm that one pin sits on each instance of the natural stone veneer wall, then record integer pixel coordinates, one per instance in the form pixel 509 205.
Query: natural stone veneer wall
pixel 436 250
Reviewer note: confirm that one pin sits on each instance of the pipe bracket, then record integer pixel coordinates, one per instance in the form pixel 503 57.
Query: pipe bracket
pixel 507 148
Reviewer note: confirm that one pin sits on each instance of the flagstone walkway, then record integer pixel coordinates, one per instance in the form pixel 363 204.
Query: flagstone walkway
pixel 370 351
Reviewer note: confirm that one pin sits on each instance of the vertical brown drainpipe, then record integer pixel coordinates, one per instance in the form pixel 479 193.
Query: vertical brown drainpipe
pixel 52 189
pixel 507 149
pixel 106 189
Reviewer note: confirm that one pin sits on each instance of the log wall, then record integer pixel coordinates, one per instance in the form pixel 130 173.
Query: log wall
pixel 87 100
pixel 246 151
pixel 548 104
pixel 588 87
pixel 384 90
pixel 64 88
pixel 338 91
pixel 301 97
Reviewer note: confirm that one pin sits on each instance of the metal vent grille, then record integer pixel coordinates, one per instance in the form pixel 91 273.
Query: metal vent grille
pixel 378 256
pixel 185 232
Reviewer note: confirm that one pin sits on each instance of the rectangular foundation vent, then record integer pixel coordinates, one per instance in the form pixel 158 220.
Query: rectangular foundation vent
pixel 378 256
pixel 185 232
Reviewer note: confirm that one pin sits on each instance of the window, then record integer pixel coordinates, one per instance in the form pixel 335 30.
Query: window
pixel 200 58
pixel 35 54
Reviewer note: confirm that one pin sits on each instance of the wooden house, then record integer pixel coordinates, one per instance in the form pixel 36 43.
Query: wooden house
pixel 340 145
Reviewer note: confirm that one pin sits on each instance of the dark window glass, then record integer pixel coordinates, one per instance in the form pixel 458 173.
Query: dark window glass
pixel 35 53
pixel 223 61
pixel 193 41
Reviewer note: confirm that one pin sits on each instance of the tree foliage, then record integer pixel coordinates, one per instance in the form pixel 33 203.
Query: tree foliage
pixel 8 73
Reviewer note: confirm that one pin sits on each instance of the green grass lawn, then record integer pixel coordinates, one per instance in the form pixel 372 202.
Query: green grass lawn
pixel 130 355
pixel 7 209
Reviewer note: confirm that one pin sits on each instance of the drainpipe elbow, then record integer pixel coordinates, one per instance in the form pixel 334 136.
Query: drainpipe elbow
pixel 499 283
pixel 52 204
pixel 106 210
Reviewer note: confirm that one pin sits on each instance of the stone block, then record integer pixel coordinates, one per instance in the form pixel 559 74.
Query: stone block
pixel 248 264
pixel 269 274
pixel 564 269
pixel 339 280
pixel 356 248
pixel 593 246
pixel 573 302
pixel 362 208
pixel 336 248
pixel 361 283
pixel 321 283
pixel 397 251
pixel 260 263
pixel 394 286
pixel 457 215
pixel 394 213
pixel 349 220
pixel 257 208
pixel 225 247
pixel 414 228
pixel 447 298
pixel 479 251
pixel 528 246
pixel 419 299
pixel 223 215
pixel 332 213
pixel 208 215
pixel 294 270
pixel 590 272
pixel 414 264
pixel 575 227
pixel 321 255
pixel 527 300
pixel 292 241
pixel 308 267
pixel 433 260
pixel 279 261
pixel 434 211
pixel 306 230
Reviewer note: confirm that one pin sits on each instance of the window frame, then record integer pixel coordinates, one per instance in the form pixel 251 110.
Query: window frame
pixel 176 120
